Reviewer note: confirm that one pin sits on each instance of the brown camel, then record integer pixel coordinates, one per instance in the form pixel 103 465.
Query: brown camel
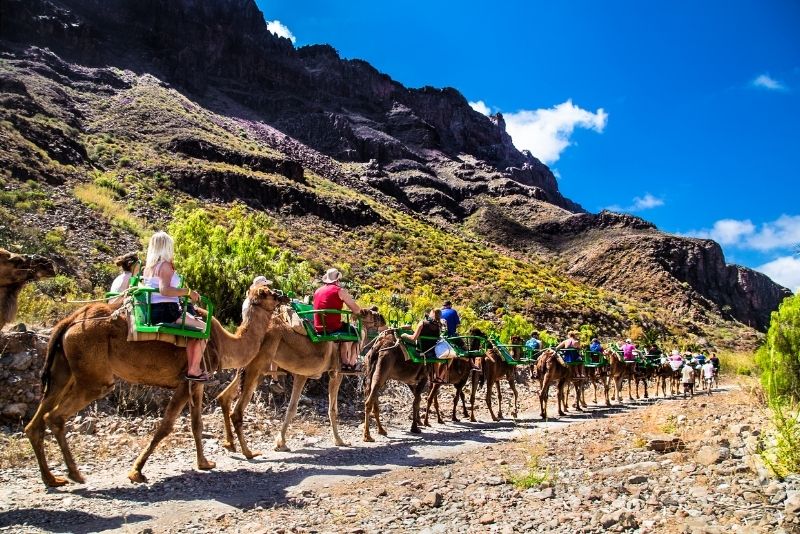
pixel 458 373
pixel 386 361
pixel 89 349
pixel 664 374
pixel 16 270
pixel 493 369
pixel 600 375
pixel 298 355
pixel 551 371
pixel 620 370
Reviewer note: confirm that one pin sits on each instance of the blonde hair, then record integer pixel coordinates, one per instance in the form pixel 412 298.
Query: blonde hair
pixel 161 248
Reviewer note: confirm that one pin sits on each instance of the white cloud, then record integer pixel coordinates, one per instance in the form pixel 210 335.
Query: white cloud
pixel 765 81
pixel 481 107
pixel 784 232
pixel 646 202
pixel 546 132
pixel 279 29
pixel 785 271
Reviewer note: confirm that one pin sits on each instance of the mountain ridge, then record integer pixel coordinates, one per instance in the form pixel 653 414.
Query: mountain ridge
pixel 286 111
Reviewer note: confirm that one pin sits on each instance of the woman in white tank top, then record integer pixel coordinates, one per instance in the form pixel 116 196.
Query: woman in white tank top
pixel 159 273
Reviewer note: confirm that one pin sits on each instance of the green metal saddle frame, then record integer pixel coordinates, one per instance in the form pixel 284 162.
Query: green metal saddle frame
pixel 577 360
pixel 306 312
pixel 529 356
pixel 459 344
pixel 593 359
pixel 413 350
pixel 142 297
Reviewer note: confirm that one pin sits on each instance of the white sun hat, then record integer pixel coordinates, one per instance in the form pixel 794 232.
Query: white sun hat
pixel 331 275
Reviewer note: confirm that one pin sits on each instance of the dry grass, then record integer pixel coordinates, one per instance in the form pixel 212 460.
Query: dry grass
pixel 738 363
pixel 100 199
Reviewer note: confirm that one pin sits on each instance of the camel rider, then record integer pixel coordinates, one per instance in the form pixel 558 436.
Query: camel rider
pixel 628 350
pixel 570 347
pixel 425 336
pixel 331 296
pixel 450 316
pixel 533 345
pixel 159 273
pixel 595 350
pixel 130 265
pixel 257 281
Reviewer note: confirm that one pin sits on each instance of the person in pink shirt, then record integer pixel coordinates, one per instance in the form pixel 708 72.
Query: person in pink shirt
pixel 628 349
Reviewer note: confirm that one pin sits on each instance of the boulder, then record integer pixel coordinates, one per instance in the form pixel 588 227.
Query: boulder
pixel 663 443
pixel 15 411
pixel 709 455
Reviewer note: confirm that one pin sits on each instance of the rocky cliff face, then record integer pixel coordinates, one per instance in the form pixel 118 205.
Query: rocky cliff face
pixel 221 50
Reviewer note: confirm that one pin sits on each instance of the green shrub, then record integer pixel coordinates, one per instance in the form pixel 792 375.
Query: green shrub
pixel 779 357
pixel 220 258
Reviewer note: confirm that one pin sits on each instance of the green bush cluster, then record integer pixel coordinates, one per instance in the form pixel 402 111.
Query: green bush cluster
pixel 220 257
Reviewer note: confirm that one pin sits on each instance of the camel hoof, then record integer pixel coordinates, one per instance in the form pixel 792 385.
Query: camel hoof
pixel 382 432
pixel 440 421
pixel 76 477
pixel 229 446
pixel 206 465
pixel 251 454
pixel 137 477
pixel 341 443
pixel 473 420
pixel 281 447
pixel 415 430
pixel 55 482
pixel 369 439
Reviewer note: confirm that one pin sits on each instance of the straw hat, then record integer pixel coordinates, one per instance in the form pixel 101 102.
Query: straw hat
pixel 331 276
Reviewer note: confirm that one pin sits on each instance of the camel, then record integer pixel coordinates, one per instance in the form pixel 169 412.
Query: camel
pixel 550 370
pixel 493 369
pixel 620 370
pixel 664 374
pixel 600 375
pixel 386 361
pixel 89 349
pixel 457 375
pixel 298 355
pixel 16 270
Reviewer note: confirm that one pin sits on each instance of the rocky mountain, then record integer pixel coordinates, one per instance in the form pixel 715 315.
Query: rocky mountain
pixel 197 98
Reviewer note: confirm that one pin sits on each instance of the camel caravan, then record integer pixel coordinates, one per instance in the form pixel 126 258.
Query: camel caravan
pixel 152 329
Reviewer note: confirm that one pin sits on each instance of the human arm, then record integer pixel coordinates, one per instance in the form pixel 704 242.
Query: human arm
pixel 415 336
pixel 164 287
pixel 349 301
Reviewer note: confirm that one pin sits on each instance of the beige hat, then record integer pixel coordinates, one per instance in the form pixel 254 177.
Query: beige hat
pixel 261 280
pixel 331 275
pixel 628 340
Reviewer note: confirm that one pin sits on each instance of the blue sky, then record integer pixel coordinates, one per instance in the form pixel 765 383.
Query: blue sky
pixel 685 113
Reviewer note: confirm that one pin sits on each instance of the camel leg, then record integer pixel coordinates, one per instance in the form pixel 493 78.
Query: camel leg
pixel 499 400
pixel 513 385
pixel 369 407
pixel 473 389
pixel 489 387
pixel 334 382
pixel 458 392
pixel 35 429
pixel 252 380
pixel 436 407
pixel 225 400
pixel 71 401
pixel 543 392
pixel 432 394
pixel 415 420
pixel 298 384
pixel 463 399
pixel 174 408
pixel 197 427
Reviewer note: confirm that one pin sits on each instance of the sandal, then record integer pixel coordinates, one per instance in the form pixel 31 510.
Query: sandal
pixel 202 377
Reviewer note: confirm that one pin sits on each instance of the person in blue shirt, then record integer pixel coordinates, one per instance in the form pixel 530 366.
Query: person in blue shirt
pixel 450 316
pixel 595 346
pixel 533 343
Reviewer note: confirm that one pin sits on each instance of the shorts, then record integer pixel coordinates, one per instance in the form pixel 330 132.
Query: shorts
pixel 165 312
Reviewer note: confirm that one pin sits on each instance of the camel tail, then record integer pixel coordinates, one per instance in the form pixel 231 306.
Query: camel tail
pixel 371 360
pixel 54 348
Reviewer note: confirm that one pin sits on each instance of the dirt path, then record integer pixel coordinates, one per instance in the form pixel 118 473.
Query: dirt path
pixel 177 494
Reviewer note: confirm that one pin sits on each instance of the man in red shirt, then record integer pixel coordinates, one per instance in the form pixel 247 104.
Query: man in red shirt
pixel 331 296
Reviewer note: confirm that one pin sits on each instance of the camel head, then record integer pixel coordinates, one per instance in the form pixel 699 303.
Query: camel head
pixel 372 320
pixel 516 346
pixel 18 269
pixel 474 343
pixel 266 298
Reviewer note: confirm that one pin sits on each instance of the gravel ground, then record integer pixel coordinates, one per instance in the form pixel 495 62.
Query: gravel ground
pixel 584 473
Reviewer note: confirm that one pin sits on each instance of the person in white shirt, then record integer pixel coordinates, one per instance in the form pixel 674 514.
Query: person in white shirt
pixel 708 374
pixel 687 378
pixel 130 265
